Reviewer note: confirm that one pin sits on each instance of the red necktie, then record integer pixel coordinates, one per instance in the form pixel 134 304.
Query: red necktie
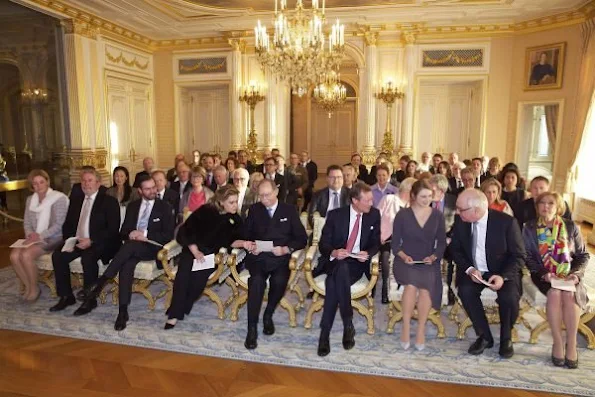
pixel 353 234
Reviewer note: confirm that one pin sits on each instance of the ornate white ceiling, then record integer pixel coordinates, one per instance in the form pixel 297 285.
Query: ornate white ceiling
pixel 182 19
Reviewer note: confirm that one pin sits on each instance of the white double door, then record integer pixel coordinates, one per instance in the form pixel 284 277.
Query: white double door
pixel 130 122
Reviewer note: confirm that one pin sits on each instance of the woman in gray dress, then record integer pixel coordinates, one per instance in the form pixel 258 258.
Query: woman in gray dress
pixel 418 243
pixel 45 212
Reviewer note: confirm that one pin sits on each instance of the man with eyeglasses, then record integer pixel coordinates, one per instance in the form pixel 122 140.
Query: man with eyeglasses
pixel 240 181
pixel 270 172
pixel 277 222
pixel 488 248
pixel 468 178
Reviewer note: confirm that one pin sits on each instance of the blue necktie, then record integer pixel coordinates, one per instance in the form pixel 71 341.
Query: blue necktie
pixel 271 212
pixel 143 221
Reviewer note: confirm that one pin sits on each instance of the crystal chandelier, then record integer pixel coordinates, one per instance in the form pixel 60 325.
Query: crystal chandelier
pixel 330 93
pixel 297 52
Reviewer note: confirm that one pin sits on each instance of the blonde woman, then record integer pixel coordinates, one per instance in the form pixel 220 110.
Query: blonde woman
pixel 45 212
pixel 493 189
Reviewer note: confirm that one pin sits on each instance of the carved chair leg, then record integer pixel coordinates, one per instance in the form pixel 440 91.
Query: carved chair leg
pixel 298 291
pixel 217 301
pixel 586 331
pixel 539 328
pixel 316 306
pixel 235 306
pixel 234 291
pixel 142 286
pixel 367 313
pixel 290 310
pixel 466 323
pixel 434 318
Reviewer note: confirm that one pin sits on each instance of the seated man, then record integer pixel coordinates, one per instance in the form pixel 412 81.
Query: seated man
pixel 93 218
pixel 269 220
pixel 350 237
pixel 148 165
pixel 146 219
pixel 487 246
pixel 164 193
pixel 526 211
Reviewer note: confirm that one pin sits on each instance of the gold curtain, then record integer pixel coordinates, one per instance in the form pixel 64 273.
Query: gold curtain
pixel 551 121
pixel 586 89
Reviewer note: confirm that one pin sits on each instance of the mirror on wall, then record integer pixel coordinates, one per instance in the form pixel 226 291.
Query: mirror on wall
pixel 539 129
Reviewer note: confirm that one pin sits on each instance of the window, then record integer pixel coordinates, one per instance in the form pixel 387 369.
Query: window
pixel 585 187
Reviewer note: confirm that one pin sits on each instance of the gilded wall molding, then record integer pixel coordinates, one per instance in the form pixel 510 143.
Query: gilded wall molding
pixel 73 26
pixel 77 158
pixel 117 56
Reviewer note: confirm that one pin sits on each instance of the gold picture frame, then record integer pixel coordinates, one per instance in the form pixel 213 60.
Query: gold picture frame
pixel 544 66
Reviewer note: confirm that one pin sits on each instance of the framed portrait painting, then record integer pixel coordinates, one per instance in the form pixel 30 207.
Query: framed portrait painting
pixel 544 67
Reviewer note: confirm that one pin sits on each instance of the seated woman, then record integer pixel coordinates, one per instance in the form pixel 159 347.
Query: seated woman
pixel 511 193
pixel 45 212
pixel 388 207
pixel 211 227
pixel 418 243
pixel 493 170
pixel 521 183
pixel 444 169
pixel 121 189
pixel 555 251
pixel 411 169
pixel 492 189
pixel 199 194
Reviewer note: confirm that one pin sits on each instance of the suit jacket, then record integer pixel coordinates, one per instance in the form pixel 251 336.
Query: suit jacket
pixel 173 199
pixel 251 168
pixel 301 174
pixel 449 211
pixel 139 175
pixel 283 229
pixel 525 212
pixel 161 222
pixel 505 250
pixel 291 184
pixel 281 185
pixel 175 186
pixel 452 186
pixel 400 176
pixel 362 172
pixel 213 184
pixel 312 169
pixel 320 203
pixel 104 223
pixel 171 175
pixel 336 233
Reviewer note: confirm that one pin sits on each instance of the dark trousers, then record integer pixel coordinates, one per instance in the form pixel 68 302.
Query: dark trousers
pixel 125 261
pixel 508 305
pixel 338 293
pixel 385 263
pixel 61 261
pixel 188 286
pixel 278 277
pixel 307 197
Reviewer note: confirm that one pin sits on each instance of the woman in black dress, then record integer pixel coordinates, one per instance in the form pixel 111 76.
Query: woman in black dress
pixel 511 192
pixel 418 243
pixel 209 228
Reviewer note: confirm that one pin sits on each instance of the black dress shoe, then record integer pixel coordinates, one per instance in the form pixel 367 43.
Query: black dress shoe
pixel 349 337
pixel 93 290
pixel 86 307
pixel 324 346
pixel 251 338
pixel 121 321
pixel 169 326
pixel 480 345
pixel 506 349
pixel 268 325
pixel 81 296
pixel 63 303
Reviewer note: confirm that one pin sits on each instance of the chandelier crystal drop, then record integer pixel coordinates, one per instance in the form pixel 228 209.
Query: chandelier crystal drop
pixel 299 52
pixel 330 93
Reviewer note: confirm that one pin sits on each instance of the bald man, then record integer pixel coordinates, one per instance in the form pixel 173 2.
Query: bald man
pixel 148 165
pixel 487 246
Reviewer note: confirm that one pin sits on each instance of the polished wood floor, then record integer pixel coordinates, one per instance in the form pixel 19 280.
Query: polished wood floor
pixel 43 365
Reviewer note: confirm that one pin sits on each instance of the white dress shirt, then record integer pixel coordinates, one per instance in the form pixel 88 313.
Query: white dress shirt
pixel 241 195
pixel 161 194
pixel 481 260
pixel 352 218
pixel 86 225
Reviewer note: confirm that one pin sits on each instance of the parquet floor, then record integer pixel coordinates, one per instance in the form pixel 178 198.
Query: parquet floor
pixel 43 365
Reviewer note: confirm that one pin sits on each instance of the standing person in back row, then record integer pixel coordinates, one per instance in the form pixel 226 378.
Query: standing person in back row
pixel 312 169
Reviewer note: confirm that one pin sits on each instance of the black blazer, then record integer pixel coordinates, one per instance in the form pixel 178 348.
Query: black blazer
pixel 452 186
pixel 210 230
pixel 175 186
pixel 292 183
pixel 312 169
pixel 505 250
pixel 104 223
pixel 161 221
pixel 526 212
pixel 449 212
pixel 514 199
pixel 138 176
pixel 283 229
pixel 173 199
pixel 280 182
pixel 213 184
pixel 336 233
pixel 320 203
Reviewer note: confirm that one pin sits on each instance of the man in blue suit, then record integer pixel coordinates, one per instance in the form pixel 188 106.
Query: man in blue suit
pixel 350 238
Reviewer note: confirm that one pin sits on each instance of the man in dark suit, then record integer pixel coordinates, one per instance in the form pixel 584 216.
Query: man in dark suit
pixel 270 166
pixel 350 238
pixel 94 219
pixel 76 190
pixel 182 185
pixel 172 174
pixel 487 246
pixel 312 169
pixel 165 194
pixel 220 178
pixel 147 219
pixel 455 183
pixel 148 165
pixel 292 183
pixel 356 162
pixel 436 160
pixel 333 196
pixel 278 222
pixel 244 162
pixel 208 163
pixel 525 211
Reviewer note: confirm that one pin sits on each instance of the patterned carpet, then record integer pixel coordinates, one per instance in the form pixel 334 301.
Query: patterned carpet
pixel 202 333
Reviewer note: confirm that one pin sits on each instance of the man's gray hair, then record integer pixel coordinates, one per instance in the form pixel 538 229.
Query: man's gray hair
pixel 242 173
pixel 221 168
pixel 476 199
pixel 92 172
pixel 440 181
pixel 269 182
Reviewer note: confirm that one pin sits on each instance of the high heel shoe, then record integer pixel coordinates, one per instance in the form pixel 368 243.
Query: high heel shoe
pixel 170 324
pixel 420 347
pixel 405 345
pixel 571 364
pixel 558 362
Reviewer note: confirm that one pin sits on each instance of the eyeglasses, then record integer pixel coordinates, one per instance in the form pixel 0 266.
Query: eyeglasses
pixel 460 210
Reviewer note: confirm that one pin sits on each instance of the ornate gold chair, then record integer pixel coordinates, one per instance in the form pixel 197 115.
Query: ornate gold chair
pixel 395 311
pixel 360 291
pixel 538 301
pixel 240 291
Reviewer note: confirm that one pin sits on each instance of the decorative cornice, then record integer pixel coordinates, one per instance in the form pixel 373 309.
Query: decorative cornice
pixel 73 26
pixel 237 44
